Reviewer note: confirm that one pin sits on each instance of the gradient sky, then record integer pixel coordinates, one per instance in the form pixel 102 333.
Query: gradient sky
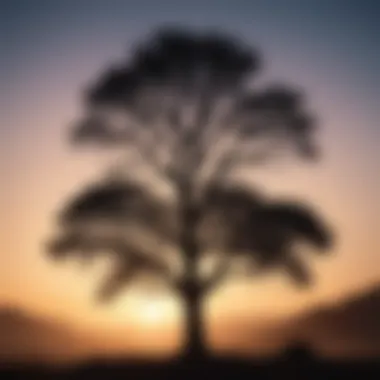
pixel 51 49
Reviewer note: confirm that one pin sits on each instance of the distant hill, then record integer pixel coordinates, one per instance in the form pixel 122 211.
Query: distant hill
pixel 349 328
pixel 28 338
pixel 24 337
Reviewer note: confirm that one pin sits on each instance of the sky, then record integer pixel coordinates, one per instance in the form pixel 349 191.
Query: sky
pixel 50 50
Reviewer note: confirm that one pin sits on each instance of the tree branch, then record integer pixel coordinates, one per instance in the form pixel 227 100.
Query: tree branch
pixel 144 261
pixel 219 275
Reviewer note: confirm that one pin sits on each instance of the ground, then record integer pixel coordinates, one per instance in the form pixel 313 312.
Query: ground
pixel 220 368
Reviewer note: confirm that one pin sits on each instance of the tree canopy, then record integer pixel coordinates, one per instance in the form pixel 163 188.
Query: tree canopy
pixel 186 105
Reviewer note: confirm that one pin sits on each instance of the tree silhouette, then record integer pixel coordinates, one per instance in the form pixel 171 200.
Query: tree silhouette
pixel 182 108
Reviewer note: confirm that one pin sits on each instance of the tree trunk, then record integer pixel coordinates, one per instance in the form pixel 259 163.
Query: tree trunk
pixel 195 347
pixel 191 290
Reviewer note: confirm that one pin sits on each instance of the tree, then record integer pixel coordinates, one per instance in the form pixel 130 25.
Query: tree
pixel 183 109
